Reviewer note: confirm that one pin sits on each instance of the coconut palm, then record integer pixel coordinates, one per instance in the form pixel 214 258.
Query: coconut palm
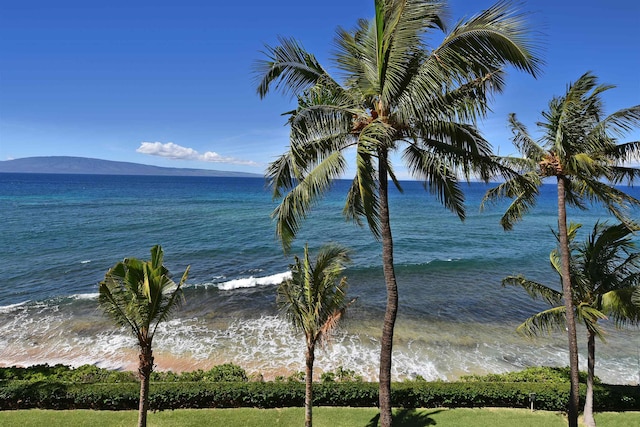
pixel 604 274
pixel 396 93
pixel 314 300
pixel 140 295
pixel 578 148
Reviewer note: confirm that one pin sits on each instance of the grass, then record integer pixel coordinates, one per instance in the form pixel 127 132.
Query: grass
pixel 322 417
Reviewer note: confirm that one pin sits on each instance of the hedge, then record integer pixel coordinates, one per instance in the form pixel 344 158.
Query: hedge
pixel 20 394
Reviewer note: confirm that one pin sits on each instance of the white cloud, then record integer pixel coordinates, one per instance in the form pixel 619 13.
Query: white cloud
pixel 178 152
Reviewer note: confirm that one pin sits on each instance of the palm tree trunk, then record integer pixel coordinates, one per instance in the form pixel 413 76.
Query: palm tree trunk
pixel 308 397
pixel 574 396
pixel 589 421
pixel 392 296
pixel 144 371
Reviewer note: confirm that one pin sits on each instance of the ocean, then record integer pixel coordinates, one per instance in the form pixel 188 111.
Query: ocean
pixel 61 233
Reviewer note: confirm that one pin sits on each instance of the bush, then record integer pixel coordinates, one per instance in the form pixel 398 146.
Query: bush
pixel 224 386
pixel 543 374
pixel 35 372
pixel 94 374
pixel 20 394
pixel 227 372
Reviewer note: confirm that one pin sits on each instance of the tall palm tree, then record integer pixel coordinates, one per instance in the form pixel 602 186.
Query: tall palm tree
pixel 604 274
pixel 578 148
pixel 314 300
pixel 140 295
pixel 397 93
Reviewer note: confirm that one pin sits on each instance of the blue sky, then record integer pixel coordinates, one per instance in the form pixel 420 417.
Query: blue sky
pixel 171 84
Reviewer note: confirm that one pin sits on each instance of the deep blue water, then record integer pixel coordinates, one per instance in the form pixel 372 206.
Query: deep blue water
pixel 61 233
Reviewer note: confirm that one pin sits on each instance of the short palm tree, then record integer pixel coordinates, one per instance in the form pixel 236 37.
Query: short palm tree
pixel 314 300
pixel 397 91
pixel 140 295
pixel 604 274
pixel 578 148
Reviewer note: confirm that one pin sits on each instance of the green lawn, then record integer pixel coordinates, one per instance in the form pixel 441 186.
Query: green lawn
pixel 323 417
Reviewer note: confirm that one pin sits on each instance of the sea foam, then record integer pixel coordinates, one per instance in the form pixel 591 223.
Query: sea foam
pixel 12 307
pixel 88 296
pixel 252 282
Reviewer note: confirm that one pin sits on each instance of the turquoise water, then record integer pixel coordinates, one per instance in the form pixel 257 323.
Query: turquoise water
pixel 61 233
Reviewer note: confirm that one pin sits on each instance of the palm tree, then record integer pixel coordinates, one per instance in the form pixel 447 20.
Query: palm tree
pixel 579 149
pixel 314 301
pixel 140 295
pixel 396 92
pixel 604 274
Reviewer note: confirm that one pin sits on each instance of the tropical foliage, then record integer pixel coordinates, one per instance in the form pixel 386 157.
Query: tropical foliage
pixel 140 295
pixel 314 300
pixel 398 95
pixel 604 274
pixel 579 148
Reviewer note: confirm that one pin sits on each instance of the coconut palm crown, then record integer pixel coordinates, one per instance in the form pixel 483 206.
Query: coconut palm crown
pixel 578 144
pixel 397 94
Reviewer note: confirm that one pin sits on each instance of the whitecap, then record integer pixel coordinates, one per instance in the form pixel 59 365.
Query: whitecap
pixel 85 296
pixel 11 307
pixel 252 282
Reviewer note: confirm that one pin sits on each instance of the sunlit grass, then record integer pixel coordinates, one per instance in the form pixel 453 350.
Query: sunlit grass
pixel 322 417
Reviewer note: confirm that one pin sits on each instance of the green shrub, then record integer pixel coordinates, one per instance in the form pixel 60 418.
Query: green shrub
pixel 227 373
pixel 328 377
pixel 173 395
pixel 227 387
pixel 296 377
pixel 340 374
pixel 35 373
pixel 94 374
pixel 541 374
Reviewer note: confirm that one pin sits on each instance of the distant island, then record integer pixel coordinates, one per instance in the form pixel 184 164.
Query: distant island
pixel 88 166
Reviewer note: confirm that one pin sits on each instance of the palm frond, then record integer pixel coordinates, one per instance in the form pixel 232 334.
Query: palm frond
pixel 362 199
pixel 289 66
pixel 524 143
pixel 296 204
pixel 313 299
pixel 534 289
pixel 635 297
pixel 140 295
pixel 620 174
pixel 281 174
pixel 621 122
pixel 616 201
pixel 173 300
pixel 113 303
pixel 490 40
pixel 547 321
pixel 523 189
pixel 437 176
pixel 624 153
pixel 618 304
pixel 400 26
pixel 590 316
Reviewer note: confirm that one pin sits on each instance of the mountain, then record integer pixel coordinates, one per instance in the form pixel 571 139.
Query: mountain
pixel 87 166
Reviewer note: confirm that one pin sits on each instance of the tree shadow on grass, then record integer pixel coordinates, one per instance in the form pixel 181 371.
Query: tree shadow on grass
pixel 408 418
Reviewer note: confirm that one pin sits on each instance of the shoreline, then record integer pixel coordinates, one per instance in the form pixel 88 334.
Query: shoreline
pixel 266 345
